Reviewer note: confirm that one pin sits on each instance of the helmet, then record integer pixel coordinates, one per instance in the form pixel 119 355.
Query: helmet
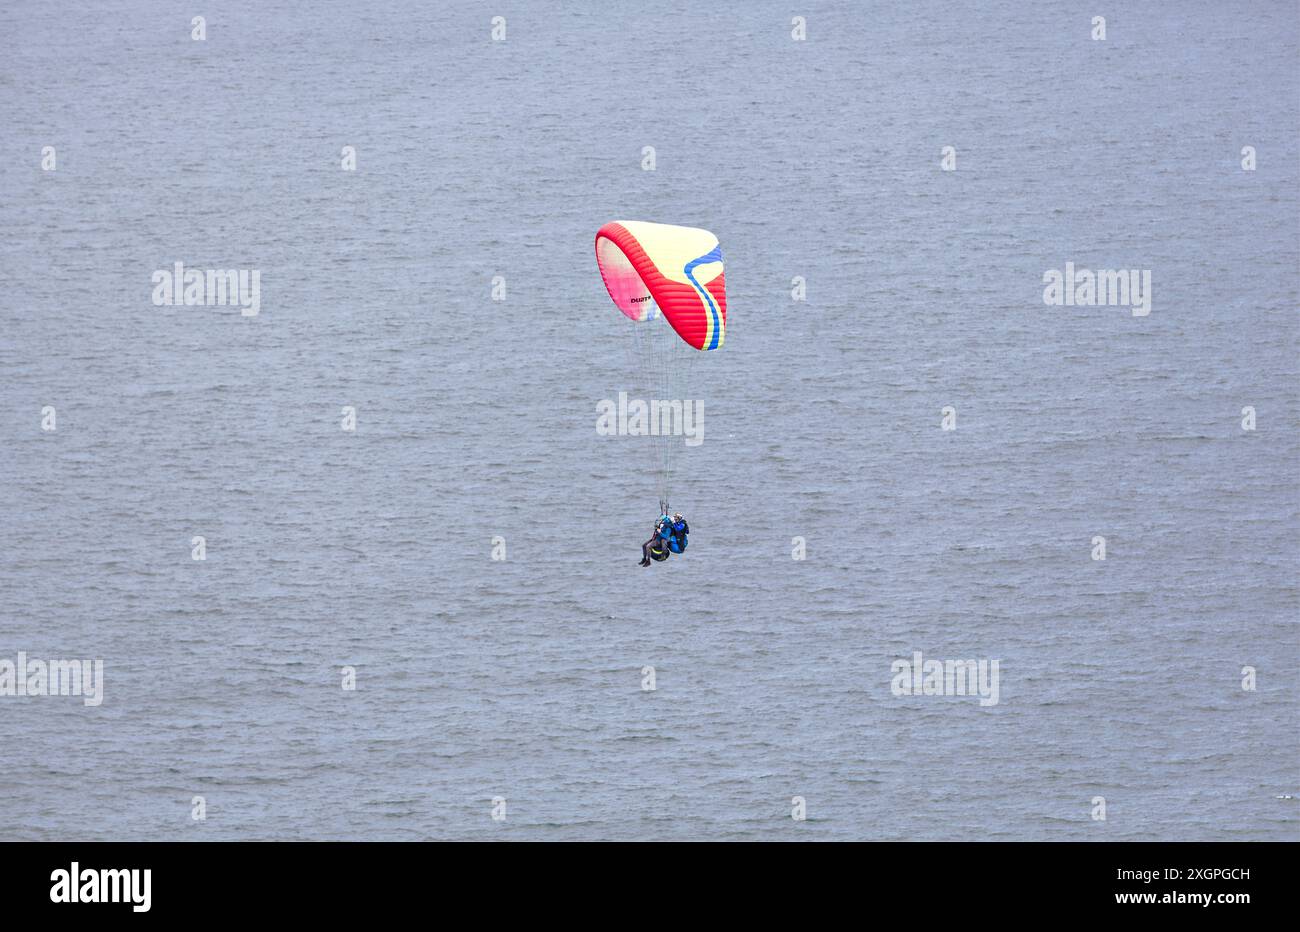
pixel 677 516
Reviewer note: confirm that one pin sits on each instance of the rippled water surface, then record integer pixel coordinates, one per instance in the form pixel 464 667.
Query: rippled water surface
pixel 522 678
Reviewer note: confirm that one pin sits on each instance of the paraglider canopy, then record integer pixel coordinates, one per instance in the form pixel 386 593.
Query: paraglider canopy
pixel 668 282
pixel 656 267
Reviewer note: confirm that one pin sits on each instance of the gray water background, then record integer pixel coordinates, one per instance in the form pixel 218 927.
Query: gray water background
pixel 477 418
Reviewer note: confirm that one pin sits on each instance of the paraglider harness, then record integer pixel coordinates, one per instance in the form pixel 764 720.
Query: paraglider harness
pixel 659 550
